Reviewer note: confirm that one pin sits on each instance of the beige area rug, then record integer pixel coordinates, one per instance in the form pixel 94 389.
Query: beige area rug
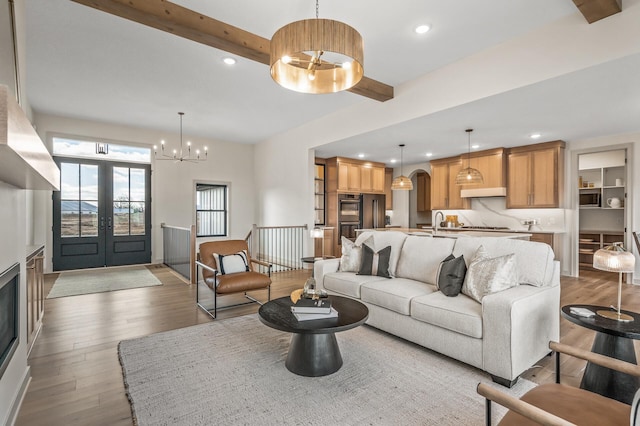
pixel 232 372
pixel 87 281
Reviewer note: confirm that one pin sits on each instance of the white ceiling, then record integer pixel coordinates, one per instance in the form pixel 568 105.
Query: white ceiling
pixel 87 64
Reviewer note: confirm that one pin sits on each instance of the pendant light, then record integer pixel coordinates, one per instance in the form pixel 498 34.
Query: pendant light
pixel 317 56
pixel 469 175
pixel 401 183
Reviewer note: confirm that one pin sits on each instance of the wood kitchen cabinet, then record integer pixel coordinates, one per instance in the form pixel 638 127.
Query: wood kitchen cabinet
pixel 35 294
pixel 388 180
pixel 423 188
pixel 354 176
pixel 535 176
pixel 445 194
pixel 492 164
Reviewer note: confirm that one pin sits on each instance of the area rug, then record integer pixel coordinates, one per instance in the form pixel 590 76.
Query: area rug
pixel 232 371
pixel 73 283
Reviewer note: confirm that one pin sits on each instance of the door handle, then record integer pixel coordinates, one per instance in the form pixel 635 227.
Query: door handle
pixel 109 223
pixel 102 223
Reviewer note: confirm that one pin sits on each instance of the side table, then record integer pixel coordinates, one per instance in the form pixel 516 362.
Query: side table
pixel 312 260
pixel 613 339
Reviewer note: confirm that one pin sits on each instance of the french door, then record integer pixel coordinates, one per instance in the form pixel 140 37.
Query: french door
pixel 102 214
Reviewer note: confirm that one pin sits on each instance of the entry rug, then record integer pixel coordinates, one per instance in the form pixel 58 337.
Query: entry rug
pixel 232 372
pixel 87 281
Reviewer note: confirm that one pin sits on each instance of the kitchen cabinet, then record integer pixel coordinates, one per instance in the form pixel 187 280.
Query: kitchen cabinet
pixel 445 194
pixel 493 166
pixel 324 246
pixel 35 294
pixel 423 189
pixel 355 176
pixel 535 176
pixel 388 180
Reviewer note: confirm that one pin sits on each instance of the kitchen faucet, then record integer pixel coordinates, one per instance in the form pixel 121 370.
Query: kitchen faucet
pixel 435 227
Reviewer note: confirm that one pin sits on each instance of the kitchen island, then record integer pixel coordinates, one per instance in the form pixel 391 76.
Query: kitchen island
pixel 446 233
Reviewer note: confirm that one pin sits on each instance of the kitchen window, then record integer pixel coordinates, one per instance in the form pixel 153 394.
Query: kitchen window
pixel 211 210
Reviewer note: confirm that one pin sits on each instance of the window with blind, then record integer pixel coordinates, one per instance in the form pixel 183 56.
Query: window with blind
pixel 211 210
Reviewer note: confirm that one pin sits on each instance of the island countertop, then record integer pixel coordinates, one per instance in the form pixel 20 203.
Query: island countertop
pixel 443 233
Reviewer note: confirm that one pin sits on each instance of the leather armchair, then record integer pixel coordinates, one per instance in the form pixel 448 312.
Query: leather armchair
pixel 225 284
pixel 558 404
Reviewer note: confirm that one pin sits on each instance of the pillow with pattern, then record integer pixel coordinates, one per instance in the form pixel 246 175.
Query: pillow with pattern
pixel 375 263
pixel 489 275
pixel 352 255
pixel 232 263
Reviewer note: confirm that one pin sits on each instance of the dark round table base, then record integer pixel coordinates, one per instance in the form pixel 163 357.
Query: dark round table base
pixel 611 383
pixel 314 355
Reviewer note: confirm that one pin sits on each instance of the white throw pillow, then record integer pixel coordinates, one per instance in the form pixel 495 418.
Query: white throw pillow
pixel 352 255
pixel 232 263
pixel 487 275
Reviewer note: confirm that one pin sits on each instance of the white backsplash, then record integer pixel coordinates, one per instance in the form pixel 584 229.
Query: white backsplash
pixel 492 211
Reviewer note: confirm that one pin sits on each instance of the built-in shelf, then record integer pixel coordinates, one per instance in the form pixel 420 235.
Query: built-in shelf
pixel 319 195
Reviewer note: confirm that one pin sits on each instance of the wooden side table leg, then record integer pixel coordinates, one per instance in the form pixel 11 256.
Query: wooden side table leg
pixel 610 383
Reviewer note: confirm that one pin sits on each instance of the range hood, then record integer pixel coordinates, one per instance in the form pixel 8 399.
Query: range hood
pixel 25 162
pixel 500 191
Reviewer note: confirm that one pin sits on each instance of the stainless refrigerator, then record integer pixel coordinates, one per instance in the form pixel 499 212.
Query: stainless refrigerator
pixel 372 211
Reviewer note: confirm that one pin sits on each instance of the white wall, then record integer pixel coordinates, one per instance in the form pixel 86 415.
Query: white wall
pixel 172 184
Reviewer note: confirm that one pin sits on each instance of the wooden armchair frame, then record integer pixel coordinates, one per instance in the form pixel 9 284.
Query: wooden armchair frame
pixel 214 276
pixel 538 414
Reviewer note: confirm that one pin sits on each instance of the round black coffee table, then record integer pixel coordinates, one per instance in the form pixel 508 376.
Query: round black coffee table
pixel 613 339
pixel 313 350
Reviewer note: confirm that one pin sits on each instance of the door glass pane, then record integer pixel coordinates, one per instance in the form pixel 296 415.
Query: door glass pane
pixel 137 185
pixel 69 181
pixel 120 217
pixel 137 218
pixel 69 219
pixel 89 219
pixel 121 184
pixel 89 182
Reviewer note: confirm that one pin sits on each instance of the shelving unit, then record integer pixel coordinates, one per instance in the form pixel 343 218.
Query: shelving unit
pixel 592 241
pixel 319 194
pixel 607 182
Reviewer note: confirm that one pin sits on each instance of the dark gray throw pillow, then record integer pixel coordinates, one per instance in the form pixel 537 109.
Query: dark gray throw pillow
pixel 451 275
pixel 375 263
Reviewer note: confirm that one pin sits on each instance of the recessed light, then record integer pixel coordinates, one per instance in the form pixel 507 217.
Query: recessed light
pixel 475 146
pixel 393 160
pixel 229 61
pixel 535 136
pixel 421 29
pixel 429 154
pixel 360 155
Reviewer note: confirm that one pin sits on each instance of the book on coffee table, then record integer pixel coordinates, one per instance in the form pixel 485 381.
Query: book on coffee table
pixel 312 306
pixel 308 317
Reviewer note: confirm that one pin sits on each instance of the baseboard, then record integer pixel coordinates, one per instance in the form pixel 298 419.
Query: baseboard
pixel 18 398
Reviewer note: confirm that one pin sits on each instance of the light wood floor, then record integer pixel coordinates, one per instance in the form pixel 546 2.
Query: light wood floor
pixel 77 378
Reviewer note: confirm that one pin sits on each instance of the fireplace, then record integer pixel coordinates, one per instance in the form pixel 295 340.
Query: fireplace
pixel 9 314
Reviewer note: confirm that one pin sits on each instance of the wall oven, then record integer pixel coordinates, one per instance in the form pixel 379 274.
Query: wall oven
pixel 349 215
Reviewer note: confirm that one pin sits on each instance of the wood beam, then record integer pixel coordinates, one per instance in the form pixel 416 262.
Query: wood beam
pixel 183 22
pixel 594 10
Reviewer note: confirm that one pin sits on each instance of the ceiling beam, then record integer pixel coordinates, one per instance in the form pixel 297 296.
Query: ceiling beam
pixel 183 22
pixel 595 10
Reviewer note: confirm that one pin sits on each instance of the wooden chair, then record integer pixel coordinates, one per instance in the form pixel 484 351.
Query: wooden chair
pixel 229 283
pixel 556 404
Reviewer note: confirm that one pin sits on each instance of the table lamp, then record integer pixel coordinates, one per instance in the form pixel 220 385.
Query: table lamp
pixel 318 232
pixel 614 258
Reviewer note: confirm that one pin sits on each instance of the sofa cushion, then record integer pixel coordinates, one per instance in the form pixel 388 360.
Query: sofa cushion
pixel 460 314
pixel 451 275
pixel 375 263
pixel 394 294
pixel 534 260
pixel 421 257
pixel 488 275
pixel 382 239
pixel 347 283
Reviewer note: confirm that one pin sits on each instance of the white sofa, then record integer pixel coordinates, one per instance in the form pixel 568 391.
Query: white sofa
pixel 504 335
